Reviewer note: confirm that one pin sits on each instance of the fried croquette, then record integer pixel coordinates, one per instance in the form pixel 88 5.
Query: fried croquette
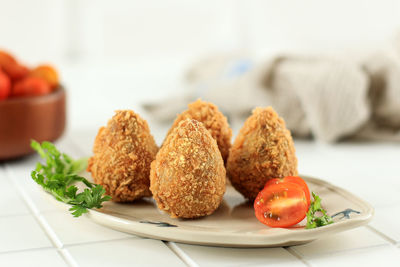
pixel 123 152
pixel 262 150
pixel 187 177
pixel 214 121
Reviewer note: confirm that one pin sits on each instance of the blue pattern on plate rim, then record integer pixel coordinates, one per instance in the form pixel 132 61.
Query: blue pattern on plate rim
pixel 346 213
pixel 159 224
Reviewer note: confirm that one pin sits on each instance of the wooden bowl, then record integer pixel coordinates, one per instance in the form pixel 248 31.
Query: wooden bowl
pixel 22 119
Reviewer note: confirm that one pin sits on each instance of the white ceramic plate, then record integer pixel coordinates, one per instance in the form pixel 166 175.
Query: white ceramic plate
pixel 234 223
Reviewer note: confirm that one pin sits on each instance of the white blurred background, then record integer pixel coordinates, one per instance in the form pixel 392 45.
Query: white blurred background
pixel 116 54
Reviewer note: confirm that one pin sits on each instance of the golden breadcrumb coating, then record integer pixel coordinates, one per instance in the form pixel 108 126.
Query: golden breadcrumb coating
pixel 213 120
pixel 123 152
pixel 262 150
pixel 187 177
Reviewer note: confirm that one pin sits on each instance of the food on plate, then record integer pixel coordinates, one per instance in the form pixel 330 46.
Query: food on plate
pixel 292 179
pixel 281 205
pixel 214 121
pixel 285 202
pixel 263 150
pixel 41 80
pixel 5 85
pixel 123 152
pixel 187 177
pixel 60 174
pixel 313 220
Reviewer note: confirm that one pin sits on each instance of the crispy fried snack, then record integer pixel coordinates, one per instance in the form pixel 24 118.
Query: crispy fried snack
pixel 214 121
pixel 123 152
pixel 262 150
pixel 187 177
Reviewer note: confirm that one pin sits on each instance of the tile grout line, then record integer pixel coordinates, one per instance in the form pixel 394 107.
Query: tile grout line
pixel 297 255
pixel 51 235
pixel 35 212
pixel 382 235
pixel 180 253
pixel 25 250
pixel 21 192
pixel 99 241
pixel 171 245
pixel 335 252
pixel 67 257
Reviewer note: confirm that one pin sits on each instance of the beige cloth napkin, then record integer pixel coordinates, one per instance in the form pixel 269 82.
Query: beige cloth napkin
pixel 328 98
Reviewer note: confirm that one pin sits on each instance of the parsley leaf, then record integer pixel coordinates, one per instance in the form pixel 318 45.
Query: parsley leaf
pixel 314 221
pixel 59 175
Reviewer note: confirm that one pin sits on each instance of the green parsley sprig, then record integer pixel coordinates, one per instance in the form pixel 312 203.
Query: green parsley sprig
pixel 314 221
pixel 59 175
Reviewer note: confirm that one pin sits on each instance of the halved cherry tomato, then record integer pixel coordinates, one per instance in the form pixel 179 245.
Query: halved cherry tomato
pixel 31 86
pixel 48 73
pixel 295 180
pixel 5 86
pixel 281 205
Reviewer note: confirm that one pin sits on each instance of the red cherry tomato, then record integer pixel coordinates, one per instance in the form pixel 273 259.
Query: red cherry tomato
pixel 281 205
pixel 5 86
pixel 48 73
pixel 6 59
pixel 11 67
pixel 292 179
pixel 31 86
pixel 16 71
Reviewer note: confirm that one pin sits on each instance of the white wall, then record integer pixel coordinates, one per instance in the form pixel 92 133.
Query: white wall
pixel 125 31
pixel 34 29
pixel 113 54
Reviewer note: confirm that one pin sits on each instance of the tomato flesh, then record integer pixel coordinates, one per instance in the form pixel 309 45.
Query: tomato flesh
pixel 281 205
pixel 292 179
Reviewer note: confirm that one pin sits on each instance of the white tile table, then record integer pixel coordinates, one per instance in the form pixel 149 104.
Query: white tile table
pixel 36 232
